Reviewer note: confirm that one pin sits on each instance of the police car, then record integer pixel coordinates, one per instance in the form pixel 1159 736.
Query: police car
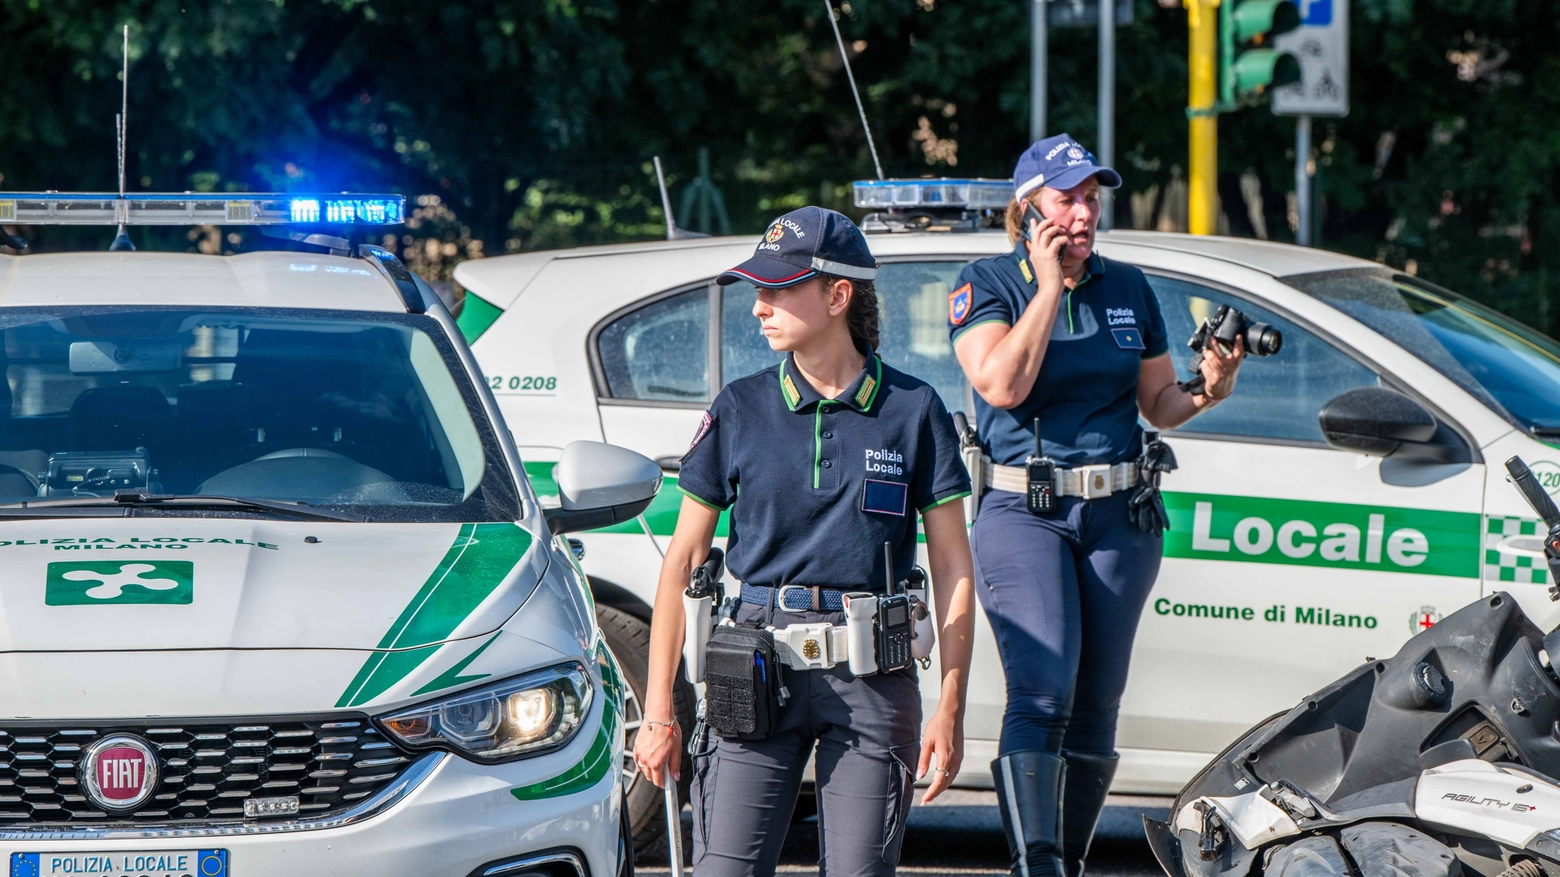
pixel 1295 550
pixel 276 594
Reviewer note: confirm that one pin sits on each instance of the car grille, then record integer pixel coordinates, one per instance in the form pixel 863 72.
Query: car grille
pixel 207 769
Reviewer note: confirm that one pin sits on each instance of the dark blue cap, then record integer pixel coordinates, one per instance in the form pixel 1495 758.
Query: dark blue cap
pixel 1061 163
pixel 803 244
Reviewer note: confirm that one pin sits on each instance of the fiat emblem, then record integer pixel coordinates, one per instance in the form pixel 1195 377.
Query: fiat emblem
pixel 119 772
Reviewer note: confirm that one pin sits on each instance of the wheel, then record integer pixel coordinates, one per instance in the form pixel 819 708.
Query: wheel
pixel 629 640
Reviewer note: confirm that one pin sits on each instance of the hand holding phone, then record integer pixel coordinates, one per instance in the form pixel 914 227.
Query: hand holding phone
pixel 1031 214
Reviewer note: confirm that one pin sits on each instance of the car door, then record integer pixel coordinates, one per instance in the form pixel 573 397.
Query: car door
pixel 1287 562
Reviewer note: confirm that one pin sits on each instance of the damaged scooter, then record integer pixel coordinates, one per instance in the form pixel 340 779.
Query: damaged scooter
pixel 1438 762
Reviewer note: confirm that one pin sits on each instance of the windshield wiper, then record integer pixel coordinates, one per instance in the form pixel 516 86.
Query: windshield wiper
pixel 136 499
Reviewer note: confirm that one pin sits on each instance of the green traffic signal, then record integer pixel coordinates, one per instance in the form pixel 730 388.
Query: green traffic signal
pixel 1246 28
pixel 1257 21
pixel 1257 70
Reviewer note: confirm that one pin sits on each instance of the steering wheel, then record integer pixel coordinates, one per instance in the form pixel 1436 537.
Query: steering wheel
pixel 12 470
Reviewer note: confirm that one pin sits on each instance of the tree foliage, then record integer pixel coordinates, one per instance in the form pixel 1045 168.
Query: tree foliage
pixel 518 124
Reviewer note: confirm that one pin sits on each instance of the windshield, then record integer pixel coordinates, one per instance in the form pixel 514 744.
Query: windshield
pixel 360 412
pixel 1509 367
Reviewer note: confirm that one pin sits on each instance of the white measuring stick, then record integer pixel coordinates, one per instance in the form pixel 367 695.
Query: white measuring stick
pixel 673 822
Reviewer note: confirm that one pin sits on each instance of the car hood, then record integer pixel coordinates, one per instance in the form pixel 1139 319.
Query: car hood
pixel 138 584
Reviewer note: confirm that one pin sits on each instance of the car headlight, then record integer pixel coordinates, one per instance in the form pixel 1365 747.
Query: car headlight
pixel 517 718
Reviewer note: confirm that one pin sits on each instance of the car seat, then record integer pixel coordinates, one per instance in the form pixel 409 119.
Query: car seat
pixel 119 418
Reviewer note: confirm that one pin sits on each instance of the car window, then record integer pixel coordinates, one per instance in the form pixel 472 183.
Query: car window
pixel 337 410
pixel 1277 397
pixel 1505 365
pixel 743 348
pixel 913 328
pixel 659 352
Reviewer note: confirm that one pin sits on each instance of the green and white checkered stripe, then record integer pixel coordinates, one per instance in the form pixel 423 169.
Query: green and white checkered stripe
pixel 1506 566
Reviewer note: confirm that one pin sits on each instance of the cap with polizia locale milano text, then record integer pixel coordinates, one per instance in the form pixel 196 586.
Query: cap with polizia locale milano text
pixel 1061 163
pixel 803 244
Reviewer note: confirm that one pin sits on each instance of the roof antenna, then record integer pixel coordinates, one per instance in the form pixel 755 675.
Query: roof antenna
pixel 829 6
pixel 673 233
pixel 121 123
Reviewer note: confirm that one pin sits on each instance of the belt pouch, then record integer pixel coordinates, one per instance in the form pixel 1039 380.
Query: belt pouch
pixel 742 683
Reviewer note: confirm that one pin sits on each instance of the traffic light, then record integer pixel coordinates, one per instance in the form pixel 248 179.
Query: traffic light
pixel 1249 66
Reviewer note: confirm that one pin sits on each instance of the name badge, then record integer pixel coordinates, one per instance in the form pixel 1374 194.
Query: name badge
pixel 884 497
pixel 1128 339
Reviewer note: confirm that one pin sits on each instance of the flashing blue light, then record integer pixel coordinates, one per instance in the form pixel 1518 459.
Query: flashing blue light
pixel 970 193
pixel 305 210
pixel 190 208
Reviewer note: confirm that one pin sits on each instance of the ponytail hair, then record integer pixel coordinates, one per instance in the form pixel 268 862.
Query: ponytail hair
pixel 861 315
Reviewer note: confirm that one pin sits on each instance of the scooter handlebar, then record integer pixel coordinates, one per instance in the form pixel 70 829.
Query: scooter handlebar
pixel 1533 492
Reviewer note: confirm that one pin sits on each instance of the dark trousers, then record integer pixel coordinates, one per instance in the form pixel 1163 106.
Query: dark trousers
pixel 867 734
pixel 1063 593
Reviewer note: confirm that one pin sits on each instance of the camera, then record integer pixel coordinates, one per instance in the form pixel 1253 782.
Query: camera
pixel 1224 327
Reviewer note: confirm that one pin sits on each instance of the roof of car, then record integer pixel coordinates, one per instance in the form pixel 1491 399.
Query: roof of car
pixel 266 279
pixel 1276 259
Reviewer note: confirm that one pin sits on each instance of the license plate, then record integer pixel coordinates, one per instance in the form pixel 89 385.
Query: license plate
pixel 156 863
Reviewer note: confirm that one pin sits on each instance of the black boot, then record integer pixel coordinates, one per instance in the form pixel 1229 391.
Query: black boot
pixel 1088 781
pixel 1029 794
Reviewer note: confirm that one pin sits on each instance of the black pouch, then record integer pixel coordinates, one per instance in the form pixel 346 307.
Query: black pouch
pixel 742 683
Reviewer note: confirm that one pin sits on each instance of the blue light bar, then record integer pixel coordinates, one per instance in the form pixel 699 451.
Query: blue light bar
pixel 971 193
pixel 192 208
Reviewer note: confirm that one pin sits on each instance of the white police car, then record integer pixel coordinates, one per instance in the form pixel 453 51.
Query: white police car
pixel 1293 554
pixel 275 594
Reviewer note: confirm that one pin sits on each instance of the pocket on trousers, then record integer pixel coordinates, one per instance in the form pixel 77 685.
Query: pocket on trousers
pixel 900 788
pixel 705 765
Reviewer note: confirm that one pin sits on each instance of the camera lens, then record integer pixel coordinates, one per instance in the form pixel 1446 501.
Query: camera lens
pixel 1262 339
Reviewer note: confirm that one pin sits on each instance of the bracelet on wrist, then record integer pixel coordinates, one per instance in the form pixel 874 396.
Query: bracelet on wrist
pixel 670 726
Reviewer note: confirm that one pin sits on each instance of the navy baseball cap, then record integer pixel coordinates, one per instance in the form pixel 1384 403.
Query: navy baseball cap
pixel 803 244
pixel 1061 163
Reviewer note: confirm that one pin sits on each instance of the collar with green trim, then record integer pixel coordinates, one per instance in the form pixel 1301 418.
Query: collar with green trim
pixel 1093 267
pixel 862 392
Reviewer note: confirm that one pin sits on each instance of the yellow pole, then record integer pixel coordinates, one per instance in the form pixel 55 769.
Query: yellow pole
pixel 1203 127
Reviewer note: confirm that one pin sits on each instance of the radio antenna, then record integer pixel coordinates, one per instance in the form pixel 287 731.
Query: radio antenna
pixel 828 5
pixel 121 131
pixel 673 233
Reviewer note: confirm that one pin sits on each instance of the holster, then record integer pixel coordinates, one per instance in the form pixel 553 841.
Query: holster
pixel 742 684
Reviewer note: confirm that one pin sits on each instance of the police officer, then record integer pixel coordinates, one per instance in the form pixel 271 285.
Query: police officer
pixel 821 459
pixel 1055 333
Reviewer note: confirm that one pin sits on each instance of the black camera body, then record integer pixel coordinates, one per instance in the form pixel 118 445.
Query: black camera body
pixel 1223 328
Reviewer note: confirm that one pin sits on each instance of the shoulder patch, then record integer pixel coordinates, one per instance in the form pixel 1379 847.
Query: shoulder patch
pixel 705 423
pixel 1024 269
pixel 959 304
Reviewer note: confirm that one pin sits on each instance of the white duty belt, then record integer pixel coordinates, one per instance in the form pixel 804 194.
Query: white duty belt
pixel 1089 482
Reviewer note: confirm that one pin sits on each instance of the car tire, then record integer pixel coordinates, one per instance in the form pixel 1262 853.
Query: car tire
pixel 629 639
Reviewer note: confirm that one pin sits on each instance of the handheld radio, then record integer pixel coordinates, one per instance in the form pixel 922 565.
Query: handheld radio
pixel 895 629
pixel 1041 472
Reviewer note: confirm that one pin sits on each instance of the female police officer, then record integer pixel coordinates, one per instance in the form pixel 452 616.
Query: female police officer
pixel 1055 335
pixel 822 459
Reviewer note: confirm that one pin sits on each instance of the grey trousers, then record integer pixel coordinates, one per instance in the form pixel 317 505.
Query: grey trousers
pixel 867 733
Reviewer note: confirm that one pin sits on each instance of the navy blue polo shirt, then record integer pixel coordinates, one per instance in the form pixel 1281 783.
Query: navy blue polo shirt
pixel 1086 392
pixel 815 485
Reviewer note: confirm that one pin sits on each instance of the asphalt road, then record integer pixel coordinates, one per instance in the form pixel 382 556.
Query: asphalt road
pixel 961 834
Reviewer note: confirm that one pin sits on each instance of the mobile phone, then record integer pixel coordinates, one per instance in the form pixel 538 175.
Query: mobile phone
pixel 1033 214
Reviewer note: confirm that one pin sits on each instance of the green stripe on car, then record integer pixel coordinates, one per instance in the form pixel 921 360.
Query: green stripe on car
pixel 589 770
pixel 482 556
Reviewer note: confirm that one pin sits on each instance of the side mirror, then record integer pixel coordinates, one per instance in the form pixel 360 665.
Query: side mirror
pixel 601 485
pixel 1385 423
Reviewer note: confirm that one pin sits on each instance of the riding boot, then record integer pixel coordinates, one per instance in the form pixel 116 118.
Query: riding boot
pixel 1029 794
pixel 1088 780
